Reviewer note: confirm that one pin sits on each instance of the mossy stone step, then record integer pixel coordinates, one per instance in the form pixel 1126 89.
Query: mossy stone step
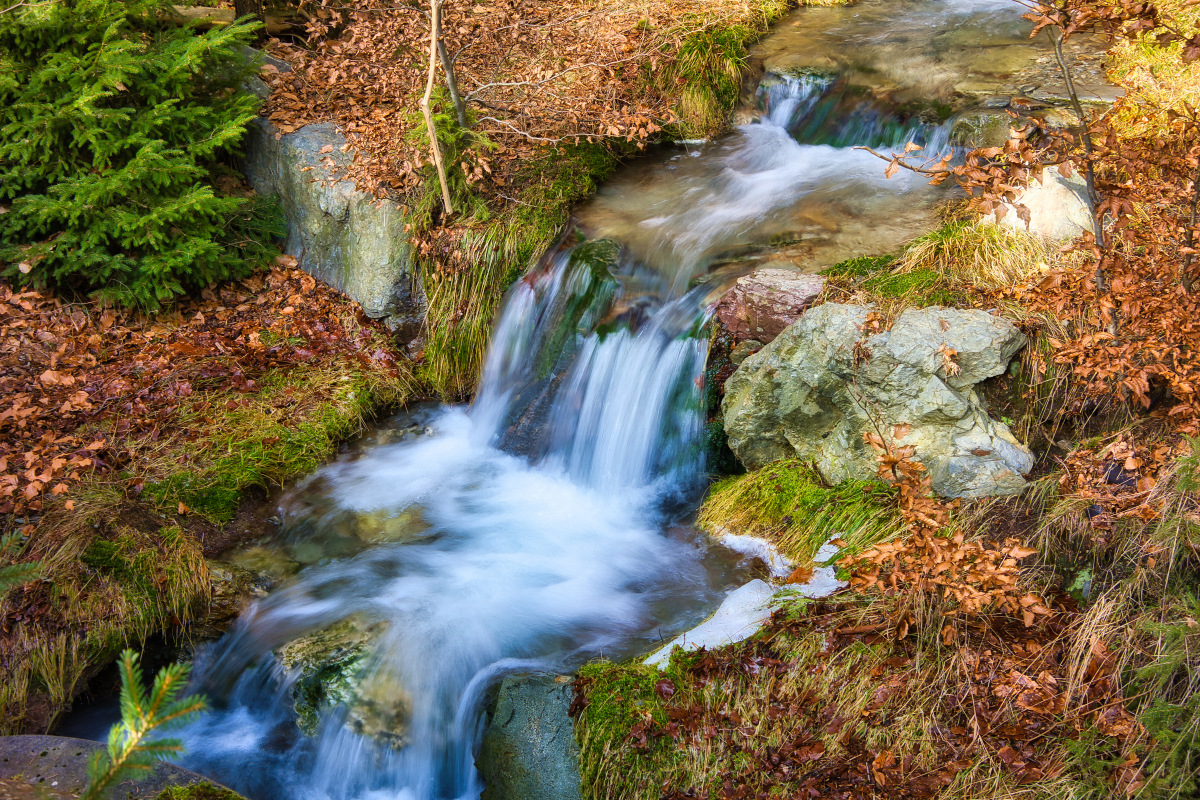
pixel 36 767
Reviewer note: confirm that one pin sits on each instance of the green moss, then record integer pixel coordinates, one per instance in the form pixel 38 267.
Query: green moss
pixel 861 266
pixel 875 274
pixel 901 284
pixel 126 562
pixel 787 503
pixel 198 791
pixel 259 445
pixel 620 696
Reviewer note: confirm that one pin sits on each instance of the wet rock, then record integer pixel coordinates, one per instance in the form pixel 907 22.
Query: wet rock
pixel 814 391
pixel 529 751
pixel 233 587
pixel 340 235
pixel 387 526
pixel 38 767
pixel 740 616
pixel 1059 208
pixel 267 562
pixel 981 128
pixel 743 350
pixel 334 669
pixel 760 305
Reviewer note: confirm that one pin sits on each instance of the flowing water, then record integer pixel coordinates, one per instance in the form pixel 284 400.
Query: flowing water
pixel 544 525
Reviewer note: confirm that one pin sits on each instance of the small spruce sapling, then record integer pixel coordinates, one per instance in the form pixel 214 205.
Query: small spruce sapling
pixel 15 574
pixel 130 750
pixel 112 119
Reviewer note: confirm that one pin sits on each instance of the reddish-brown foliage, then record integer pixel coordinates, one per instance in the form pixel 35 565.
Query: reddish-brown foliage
pixel 78 380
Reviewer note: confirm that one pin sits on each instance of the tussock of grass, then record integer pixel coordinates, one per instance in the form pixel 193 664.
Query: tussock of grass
pixel 786 503
pixel 110 588
pixel 709 67
pixel 979 252
pixel 462 304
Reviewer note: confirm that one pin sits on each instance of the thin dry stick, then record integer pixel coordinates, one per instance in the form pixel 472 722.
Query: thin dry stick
pixel 435 30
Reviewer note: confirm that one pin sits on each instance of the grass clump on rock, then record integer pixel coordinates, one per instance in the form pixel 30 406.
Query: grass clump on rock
pixel 787 504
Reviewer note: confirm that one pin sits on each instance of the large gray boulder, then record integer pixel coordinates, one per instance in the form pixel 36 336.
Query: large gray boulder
pixel 529 751
pixel 341 236
pixel 814 391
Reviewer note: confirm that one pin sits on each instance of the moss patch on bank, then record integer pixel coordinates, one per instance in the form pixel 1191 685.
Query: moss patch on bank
pixel 290 427
pixel 198 791
pixel 787 503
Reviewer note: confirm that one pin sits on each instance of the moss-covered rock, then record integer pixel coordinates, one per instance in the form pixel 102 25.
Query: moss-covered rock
pixel 335 668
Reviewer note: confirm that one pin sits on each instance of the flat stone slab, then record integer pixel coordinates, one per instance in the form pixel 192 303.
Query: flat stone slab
pixel 57 766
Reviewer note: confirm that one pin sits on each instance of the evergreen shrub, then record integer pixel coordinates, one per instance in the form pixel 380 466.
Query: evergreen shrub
pixel 113 119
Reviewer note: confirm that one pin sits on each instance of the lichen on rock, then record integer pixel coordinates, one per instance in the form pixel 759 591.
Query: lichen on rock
pixel 815 390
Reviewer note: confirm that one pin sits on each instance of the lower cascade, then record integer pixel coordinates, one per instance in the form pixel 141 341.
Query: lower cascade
pixel 544 525
pixel 505 563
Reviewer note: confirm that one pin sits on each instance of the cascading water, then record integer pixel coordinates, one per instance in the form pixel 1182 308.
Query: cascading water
pixel 534 561
pixel 535 527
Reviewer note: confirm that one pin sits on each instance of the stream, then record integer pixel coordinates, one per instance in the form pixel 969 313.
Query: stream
pixel 546 524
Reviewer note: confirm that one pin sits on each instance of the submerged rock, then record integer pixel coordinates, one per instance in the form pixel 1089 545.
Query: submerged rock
pixel 986 127
pixel 387 526
pixel 814 391
pixel 334 668
pixel 343 236
pixel 760 305
pixel 529 751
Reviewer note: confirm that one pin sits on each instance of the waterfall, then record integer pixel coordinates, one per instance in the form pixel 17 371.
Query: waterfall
pixel 541 536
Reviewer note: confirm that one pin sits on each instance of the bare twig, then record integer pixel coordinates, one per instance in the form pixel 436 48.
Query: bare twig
pixel 460 108
pixel 435 32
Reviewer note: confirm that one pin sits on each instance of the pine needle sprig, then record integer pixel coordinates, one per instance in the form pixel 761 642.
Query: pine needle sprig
pixel 130 751
pixel 15 574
